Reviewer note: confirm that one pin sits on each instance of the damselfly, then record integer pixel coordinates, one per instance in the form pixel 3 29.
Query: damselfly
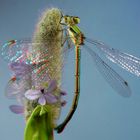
pixel 124 60
pixel 20 51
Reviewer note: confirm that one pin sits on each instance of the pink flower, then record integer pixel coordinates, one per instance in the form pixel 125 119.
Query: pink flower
pixel 44 95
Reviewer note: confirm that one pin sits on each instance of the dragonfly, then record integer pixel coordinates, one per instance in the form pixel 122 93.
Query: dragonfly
pixel 21 52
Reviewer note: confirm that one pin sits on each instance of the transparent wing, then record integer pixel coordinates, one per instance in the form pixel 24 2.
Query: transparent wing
pixel 28 63
pixel 15 50
pixel 19 53
pixel 113 78
pixel 16 88
pixel 124 60
pixel 23 51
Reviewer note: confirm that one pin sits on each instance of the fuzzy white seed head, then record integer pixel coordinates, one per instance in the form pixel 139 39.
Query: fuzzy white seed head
pixel 47 48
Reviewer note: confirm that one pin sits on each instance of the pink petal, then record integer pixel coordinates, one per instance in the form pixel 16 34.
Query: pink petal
pixel 52 86
pixel 50 98
pixel 17 109
pixel 42 100
pixel 32 94
pixel 20 69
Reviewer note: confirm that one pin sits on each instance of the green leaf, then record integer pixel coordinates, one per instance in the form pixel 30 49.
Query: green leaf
pixel 39 125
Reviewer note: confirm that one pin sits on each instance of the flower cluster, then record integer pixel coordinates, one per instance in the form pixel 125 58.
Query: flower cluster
pixel 42 96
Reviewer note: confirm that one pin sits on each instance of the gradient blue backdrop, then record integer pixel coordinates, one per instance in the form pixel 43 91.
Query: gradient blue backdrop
pixel 102 114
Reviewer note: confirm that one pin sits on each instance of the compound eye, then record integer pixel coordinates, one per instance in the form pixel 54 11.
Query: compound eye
pixel 76 20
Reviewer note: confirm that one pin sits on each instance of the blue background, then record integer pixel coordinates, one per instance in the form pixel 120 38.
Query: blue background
pixel 101 114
